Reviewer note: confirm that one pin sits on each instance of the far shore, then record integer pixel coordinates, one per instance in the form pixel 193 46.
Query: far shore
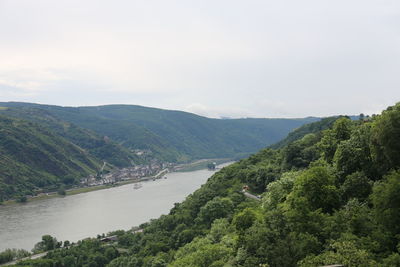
pixel 196 165
pixel 86 189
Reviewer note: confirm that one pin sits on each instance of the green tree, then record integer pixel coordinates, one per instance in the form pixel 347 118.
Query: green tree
pixel 354 153
pixel 345 253
pixel 356 185
pixel 354 218
pixel 342 128
pixel 386 202
pixel 392 260
pixel 131 261
pixel 61 191
pixel 219 228
pixel 216 208
pixel 245 219
pixel 6 256
pixel 69 261
pixel 201 253
pixel 385 141
pixel 316 189
pixel 301 153
pixel 48 243
pixel 340 131
pixel 22 199
pixel 277 191
pixel 111 253
pixel 258 177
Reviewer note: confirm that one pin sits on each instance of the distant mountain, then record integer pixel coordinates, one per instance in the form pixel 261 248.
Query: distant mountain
pixel 173 136
pixel 328 198
pixel 310 128
pixel 45 147
pixel 32 157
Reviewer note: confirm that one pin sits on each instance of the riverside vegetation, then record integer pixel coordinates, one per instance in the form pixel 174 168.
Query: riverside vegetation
pixel 328 197
pixel 44 148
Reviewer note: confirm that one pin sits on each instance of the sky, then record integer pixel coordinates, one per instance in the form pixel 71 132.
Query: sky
pixel 217 58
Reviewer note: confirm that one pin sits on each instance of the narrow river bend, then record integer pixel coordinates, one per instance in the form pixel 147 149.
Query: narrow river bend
pixel 86 215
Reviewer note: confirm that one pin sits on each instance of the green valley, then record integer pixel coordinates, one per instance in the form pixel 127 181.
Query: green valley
pixel 199 133
pixel 172 136
pixel 49 147
pixel 329 197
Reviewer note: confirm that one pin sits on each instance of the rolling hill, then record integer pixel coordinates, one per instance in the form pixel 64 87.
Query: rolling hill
pixel 45 147
pixel 32 157
pixel 332 201
pixel 173 136
pixel 102 148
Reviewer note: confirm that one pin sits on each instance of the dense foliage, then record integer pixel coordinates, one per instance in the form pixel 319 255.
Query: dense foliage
pixel 32 157
pixel 316 128
pixel 12 254
pixel 98 146
pixel 60 145
pixel 170 135
pixel 328 198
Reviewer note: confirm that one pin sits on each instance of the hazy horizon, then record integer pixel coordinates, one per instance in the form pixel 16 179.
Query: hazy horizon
pixel 217 117
pixel 280 59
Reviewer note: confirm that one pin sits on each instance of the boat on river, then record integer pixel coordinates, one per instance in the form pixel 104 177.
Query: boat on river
pixel 137 186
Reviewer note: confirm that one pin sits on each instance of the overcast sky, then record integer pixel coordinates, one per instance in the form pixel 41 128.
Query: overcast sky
pixel 212 57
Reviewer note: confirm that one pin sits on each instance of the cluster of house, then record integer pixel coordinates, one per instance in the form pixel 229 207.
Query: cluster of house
pixel 134 172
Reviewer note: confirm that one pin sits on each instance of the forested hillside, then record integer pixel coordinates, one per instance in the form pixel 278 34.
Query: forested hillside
pixel 49 152
pixel 173 136
pixel 32 157
pixel 315 127
pixel 98 146
pixel 331 197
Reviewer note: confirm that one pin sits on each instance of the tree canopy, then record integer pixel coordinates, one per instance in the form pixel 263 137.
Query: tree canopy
pixel 326 199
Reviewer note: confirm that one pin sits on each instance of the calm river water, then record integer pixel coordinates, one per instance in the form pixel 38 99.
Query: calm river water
pixel 86 215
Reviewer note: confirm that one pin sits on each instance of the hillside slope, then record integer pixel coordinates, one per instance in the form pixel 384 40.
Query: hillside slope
pixel 297 134
pixel 331 197
pixel 96 145
pixel 173 135
pixel 32 157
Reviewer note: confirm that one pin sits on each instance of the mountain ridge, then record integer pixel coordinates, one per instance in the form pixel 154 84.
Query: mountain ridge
pixel 328 197
pixel 33 158
pixel 175 136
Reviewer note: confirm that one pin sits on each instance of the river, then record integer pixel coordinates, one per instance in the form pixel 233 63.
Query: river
pixel 85 215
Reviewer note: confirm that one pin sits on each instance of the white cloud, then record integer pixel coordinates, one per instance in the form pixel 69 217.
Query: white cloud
pixel 259 58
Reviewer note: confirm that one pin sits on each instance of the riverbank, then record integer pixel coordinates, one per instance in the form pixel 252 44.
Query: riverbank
pixel 80 216
pixel 80 190
pixel 199 164
pixel 187 167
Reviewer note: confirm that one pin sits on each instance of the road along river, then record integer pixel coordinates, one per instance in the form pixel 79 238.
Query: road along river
pixel 85 215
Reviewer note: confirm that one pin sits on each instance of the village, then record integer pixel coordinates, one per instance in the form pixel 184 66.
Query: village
pixel 154 170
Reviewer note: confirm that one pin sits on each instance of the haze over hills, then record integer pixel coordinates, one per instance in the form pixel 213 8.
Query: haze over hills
pixel 172 136
pixel 277 188
pixel 47 146
pixel 328 196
